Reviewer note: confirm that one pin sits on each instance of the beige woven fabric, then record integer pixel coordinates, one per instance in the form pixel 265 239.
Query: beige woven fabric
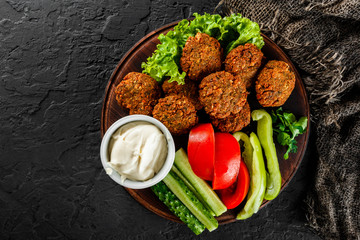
pixel 323 40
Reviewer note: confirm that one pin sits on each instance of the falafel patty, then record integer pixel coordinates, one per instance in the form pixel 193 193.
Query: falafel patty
pixel 189 90
pixel 234 122
pixel 138 93
pixel 177 113
pixel 222 94
pixel 201 56
pixel 244 60
pixel 274 84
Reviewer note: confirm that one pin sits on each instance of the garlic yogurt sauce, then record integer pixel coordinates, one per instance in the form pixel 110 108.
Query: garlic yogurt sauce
pixel 137 151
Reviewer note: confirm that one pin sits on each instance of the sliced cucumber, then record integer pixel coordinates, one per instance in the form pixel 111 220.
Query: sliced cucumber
pixel 187 197
pixel 177 207
pixel 207 195
pixel 188 184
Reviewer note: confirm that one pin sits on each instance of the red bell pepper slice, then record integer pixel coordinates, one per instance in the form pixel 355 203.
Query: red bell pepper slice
pixel 227 160
pixel 235 194
pixel 201 150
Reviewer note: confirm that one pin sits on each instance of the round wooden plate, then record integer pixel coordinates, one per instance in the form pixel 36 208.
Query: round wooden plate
pixel 131 62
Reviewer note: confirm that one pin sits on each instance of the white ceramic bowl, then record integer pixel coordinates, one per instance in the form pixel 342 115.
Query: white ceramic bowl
pixel 104 153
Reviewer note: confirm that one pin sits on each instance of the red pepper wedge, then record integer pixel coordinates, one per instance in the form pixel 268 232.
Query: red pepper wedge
pixel 227 160
pixel 201 150
pixel 236 193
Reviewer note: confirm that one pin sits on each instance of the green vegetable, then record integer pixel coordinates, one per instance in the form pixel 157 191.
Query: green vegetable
pixel 177 207
pixel 240 30
pixel 205 192
pixel 257 178
pixel 190 186
pixel 247 153
pixel 231 32
pixel 287 128
pixel 165 61
pixel 187 197
pixel 182 177
pixel 265 133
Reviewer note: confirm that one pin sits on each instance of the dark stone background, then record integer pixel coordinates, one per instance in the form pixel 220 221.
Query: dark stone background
pixel 56 58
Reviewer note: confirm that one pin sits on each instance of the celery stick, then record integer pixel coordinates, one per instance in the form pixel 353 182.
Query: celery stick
pixel 179 188
pixel 205 191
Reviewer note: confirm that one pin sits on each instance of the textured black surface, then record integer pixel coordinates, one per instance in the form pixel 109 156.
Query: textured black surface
pixel 56 58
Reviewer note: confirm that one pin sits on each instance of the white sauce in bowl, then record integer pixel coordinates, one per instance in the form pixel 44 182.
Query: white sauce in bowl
pixel 137 151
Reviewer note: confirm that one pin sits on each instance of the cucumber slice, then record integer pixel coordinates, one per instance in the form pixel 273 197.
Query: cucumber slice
pixel 208 196
pixel 187 197
pixel 177 207
pixel 188 184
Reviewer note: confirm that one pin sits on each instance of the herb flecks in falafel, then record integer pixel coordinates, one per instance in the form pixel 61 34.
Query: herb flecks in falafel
pixel 274 84
pixel 177 113
pixel 222 94
pixel 244 60
pixel 234 122
pixel 138 93
pixel 189 90
pixel 201 56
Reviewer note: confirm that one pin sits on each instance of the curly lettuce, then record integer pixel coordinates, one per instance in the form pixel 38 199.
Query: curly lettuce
pixel 230 31
pixel 240 30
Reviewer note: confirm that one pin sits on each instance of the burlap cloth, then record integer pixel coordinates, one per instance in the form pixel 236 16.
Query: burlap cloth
pixel 322 38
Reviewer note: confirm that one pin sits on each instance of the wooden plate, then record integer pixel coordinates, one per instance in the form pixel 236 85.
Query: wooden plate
pixel 111 111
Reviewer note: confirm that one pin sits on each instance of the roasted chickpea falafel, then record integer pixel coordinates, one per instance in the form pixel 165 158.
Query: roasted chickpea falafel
pixel 244 60
pixel 274 84
pixel 189 90
pixel 222 94
pixel 234 122
pixel 138 93
pixel 201 56
pixel 177 113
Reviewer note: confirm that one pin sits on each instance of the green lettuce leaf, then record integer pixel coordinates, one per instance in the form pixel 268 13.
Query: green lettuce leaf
pixel 240 31
pixel 231 32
